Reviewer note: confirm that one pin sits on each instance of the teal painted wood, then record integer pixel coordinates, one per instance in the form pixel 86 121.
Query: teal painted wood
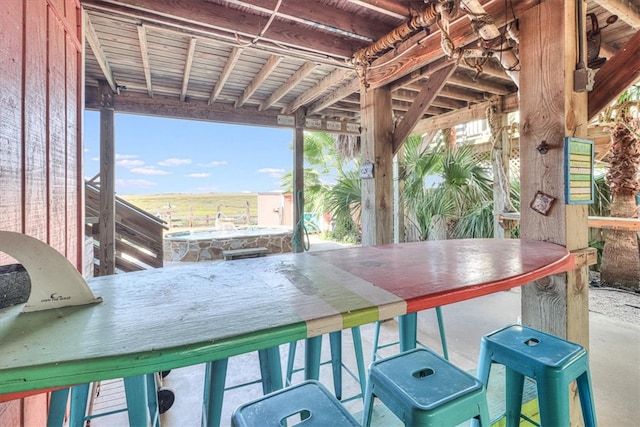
pixel 172 317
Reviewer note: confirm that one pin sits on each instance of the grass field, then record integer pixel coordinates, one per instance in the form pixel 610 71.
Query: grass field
pixel 198 209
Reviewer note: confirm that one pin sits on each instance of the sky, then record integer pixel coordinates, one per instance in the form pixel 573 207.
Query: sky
pixel 158 155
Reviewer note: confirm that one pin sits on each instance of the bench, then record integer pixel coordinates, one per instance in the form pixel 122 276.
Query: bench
pixel 245 252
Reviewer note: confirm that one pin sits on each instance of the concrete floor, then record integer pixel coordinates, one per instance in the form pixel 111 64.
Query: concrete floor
pixel 614 358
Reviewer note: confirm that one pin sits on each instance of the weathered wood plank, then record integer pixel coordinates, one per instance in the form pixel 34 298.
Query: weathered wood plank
pixel 244 252
pixel 11 83
pixel 57 162
pixel 35 122
pixel 107 182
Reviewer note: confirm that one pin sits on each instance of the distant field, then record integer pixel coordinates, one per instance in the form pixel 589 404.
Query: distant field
pixel 184 210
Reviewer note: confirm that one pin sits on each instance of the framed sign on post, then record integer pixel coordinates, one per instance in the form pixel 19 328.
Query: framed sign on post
pixel 578 154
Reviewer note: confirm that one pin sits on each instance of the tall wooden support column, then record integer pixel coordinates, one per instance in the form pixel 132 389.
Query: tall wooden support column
pixel 298 183
pixel 107 222
pixel 549 111
pixel 500 153
pixel 377 149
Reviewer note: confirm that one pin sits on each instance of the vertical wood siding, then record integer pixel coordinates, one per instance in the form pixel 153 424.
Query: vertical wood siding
pixel 40 147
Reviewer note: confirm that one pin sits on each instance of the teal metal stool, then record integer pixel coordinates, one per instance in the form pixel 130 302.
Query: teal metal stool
pixel 313 348
pixel 141 395
pixel 215 380
pixel 551 361
pixel 307 403
pixel 408 334
pixel 423 389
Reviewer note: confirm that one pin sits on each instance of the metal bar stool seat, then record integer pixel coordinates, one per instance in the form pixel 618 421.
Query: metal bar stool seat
pixel 423 389
pixel 551 361
pixel 308 403
pixel 313 347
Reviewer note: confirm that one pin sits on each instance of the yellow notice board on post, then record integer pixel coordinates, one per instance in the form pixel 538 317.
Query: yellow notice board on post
pixel 578 170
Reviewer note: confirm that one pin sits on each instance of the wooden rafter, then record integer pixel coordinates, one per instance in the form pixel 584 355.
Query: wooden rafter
pixel 335 96
pixel 144 54
pixel 187 67
pixel 420 104
pixel 96 47
pixel 387 7
pixel 246 26
pixel 226 72
pixel 291 82
pixel 329 81
pixel 626 11
pixel 268 68
pixel 484 86
pixel 617 74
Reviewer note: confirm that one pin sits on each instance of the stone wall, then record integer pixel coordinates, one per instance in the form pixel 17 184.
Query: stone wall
pixel 187 250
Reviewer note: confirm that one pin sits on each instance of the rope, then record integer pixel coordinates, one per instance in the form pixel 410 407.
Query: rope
pixel 300 227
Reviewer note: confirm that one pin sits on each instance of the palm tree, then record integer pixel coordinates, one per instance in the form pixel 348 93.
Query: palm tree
pixel 621 254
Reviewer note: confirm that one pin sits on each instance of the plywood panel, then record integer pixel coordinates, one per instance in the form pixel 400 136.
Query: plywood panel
pixel 35 410
pixel 10 122
pixel 35 120
pixel 57 136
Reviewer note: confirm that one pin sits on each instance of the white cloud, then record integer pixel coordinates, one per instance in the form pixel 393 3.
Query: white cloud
pixel 174 161
pixel 214 163
pixel 95 159
pixel 127 163
pixel 125 156
pixel 149 170
pixel 197 175
pixel 135 183
pixel 272 172
pixel 206 189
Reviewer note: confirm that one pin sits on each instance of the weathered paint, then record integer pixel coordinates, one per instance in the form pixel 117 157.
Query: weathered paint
pixel 162 319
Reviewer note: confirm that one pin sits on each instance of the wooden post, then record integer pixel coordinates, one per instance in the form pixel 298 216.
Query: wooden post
pixel 500 152
pixel 549 111
pixel 399 235
pixel 377 150
pixel 298 183
pixel 107 224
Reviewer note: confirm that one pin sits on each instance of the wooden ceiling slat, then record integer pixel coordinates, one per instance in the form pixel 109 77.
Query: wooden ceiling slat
pixel 226 72
pixel 94 43
pixel 187 67
pixel 144 53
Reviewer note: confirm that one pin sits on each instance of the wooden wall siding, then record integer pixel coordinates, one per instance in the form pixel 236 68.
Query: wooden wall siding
pixel 40 167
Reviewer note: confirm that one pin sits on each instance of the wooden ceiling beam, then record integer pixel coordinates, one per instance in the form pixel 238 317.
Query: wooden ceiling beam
pixel 268 68
pixel 388 7
pixel 420 104
pixel 226 72
pixel 615 76
pixel 626 11
pixel 335 96
pixel 187 67
pixel 484 86
pixel 315 92
pixel 291 82
pixel 311 12
pixel 398 62
pixel 98 52
pixel 236 23
pixel 144 54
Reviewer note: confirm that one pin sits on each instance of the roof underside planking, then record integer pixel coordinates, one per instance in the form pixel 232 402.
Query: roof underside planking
pixel 256 62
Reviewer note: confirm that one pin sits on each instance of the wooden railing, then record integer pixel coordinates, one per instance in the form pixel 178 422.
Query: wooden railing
pixel 138 233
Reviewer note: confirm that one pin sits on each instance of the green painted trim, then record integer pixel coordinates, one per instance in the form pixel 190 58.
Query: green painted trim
pixel 97 369
pixel 360 317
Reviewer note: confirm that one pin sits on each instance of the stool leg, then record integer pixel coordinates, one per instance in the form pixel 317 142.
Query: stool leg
pixel 57 407
pixel 79 398
pixel 290 361
pixel 152 399
pixel 270 369
pixel 514 387
pixel 443 336
pixel 214 381
pixel 376 338
pixel 357 348
pixel 553 400
pixel 586 400
pixel 407 328
pixel 135 390
pixel 368 398
pixel 335 341
pixel 313 347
